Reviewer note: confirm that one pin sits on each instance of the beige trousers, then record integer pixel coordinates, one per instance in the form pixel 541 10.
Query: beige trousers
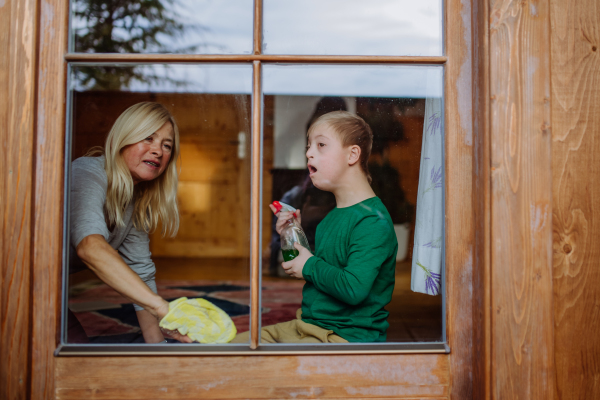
pixel 295 331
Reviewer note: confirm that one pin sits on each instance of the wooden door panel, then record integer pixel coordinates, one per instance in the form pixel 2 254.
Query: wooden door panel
pixel 257 377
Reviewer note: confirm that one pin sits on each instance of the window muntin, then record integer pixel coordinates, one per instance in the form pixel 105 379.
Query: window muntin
pixel 353 27
pixel 162 26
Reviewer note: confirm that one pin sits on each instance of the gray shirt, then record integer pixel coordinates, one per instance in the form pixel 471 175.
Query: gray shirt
pixel 88 195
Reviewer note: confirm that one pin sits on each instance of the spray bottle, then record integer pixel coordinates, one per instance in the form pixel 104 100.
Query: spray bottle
pixel 291 233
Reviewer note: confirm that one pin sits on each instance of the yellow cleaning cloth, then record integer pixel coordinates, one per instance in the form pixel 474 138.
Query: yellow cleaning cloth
pixel 200 320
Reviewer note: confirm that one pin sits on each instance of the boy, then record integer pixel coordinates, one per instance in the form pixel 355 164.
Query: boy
pixel 350 278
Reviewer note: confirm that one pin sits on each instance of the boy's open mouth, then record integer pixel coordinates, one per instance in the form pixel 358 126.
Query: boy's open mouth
pixel 311 169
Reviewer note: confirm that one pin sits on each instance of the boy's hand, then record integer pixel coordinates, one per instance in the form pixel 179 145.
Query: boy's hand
pixel 294 268
pixel 283 217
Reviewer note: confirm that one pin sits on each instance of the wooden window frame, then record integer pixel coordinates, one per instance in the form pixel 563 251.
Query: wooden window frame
pixel 74 377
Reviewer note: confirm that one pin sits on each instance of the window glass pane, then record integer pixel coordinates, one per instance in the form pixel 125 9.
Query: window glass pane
pixel 393 101
pixel 162 26
pixel 353 27
pixel 208 258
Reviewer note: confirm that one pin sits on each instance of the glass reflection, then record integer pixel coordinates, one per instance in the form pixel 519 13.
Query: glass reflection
pixel 392 100
pixel 353 27
pixel 208 258
pixel 162 26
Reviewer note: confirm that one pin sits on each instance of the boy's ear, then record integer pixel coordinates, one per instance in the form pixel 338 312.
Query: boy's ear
pixel 354 155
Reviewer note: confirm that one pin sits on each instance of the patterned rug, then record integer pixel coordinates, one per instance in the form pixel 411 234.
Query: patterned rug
pixel 108 317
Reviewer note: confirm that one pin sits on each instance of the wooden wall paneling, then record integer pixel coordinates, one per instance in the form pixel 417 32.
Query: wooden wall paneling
pixel 521 219
pixel 481 202
pixel 459 207
pixel 576 196
pixel 214 192
pixel 17 110
pixel 269 377
pixel 48 195
pixel 268 161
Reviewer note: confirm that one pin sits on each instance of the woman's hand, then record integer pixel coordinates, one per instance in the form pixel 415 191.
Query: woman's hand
pixel 283 217
pixel 108 265
pixel 160 312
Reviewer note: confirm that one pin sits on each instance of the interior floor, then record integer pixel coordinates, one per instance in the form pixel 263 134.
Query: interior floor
pixel 414 317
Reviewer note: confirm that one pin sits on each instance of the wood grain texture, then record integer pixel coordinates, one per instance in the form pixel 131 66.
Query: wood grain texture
pixel 481 203
pixel 270 377
pixel 258 23
pixel 17 105
pixel 268 159
pixel 405 376
pixel 48 197
pixel 576 196
pixel 460 233
pixel 521 224
pixel 194 58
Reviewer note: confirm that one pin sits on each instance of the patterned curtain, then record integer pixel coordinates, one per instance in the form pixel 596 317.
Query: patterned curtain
pixel 427 258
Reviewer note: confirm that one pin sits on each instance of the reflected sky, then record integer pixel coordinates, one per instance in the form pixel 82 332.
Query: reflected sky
pixel 207 27
pixel 337 27
pixel 173 78
pixel 353 80
pixel 278 79
pixel 353 27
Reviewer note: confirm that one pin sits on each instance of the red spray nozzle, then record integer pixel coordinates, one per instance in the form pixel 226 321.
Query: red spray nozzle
pixel 279 206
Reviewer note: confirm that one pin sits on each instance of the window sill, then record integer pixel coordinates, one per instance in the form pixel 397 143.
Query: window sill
pixel 237 350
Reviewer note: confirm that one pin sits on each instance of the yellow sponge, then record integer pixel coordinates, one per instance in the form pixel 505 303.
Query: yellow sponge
pixel 200 320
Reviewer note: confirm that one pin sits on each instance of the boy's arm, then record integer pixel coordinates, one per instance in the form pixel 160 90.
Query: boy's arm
pixel 368 249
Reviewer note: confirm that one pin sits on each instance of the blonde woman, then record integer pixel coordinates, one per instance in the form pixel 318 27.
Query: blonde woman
pixel 118 198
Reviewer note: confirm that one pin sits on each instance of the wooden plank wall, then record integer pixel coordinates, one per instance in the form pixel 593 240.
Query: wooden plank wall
pixel 17 110
pixel 255 377
pixel 460 224
pixel 481 193
pixel 576 196
pixel 542 193
pixel 48 163
pixel 521 214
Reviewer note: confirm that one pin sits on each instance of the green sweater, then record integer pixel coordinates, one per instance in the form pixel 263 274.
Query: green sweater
pixel 351 277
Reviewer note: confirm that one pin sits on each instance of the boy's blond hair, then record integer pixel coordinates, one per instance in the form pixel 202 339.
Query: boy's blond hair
pixel 352 130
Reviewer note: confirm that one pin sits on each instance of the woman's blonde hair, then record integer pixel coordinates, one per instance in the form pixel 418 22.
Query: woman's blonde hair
pixel 155 200
pixel 352 130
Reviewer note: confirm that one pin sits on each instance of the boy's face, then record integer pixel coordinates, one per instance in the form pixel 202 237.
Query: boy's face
pixel 327 158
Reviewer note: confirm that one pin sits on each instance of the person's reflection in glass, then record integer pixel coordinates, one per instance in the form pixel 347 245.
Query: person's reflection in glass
pixel 116 199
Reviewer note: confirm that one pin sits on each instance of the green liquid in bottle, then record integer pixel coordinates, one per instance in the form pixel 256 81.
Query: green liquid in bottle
pixel 289 255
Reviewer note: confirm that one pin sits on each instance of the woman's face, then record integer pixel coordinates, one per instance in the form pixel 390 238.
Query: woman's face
pixel 149 158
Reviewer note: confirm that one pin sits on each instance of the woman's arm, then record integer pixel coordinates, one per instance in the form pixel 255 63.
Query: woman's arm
pixel 108 265
pixel 101 258
pixel 149 325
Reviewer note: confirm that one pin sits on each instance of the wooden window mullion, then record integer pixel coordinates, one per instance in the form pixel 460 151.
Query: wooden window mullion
pixel 258 13
pixel 256 203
